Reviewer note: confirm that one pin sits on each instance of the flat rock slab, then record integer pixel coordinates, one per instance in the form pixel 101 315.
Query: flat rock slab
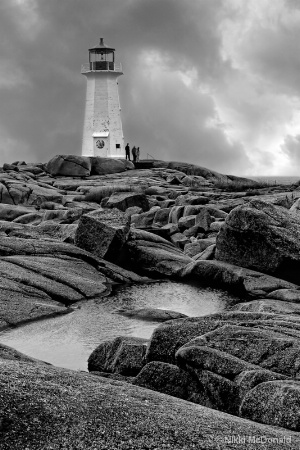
pixel 88 412
pixel 234 278
pixel 160 315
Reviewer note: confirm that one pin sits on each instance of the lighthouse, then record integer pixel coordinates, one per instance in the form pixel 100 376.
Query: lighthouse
pixel 102 130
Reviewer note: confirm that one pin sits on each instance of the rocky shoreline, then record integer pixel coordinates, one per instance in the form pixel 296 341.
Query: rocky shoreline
pixel 73 228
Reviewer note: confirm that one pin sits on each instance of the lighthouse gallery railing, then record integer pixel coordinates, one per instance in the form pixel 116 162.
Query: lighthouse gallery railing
pixel 101 65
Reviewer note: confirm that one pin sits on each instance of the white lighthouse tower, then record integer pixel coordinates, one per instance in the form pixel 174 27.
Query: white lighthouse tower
pixel 102 131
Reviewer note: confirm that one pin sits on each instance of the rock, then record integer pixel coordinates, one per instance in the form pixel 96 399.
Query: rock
pixel 268 305
pixel 170 228
pixel 295 208
pixel 179 239
pixel 133 210
pixel 186 222
pixel 8 167
pixel 11 354
pixel 123 415
pixel 263 237
pixel 103 233
pixel 274 403
pixel 244 282
pixel 63 280
pixel 192 356
pixel 123 355
pixel 194 248
pixel 124 200
pixel 168 337
pixel 168 379
pixel 265 348
pixel 12 212
pixel 69 165
pixel 229 204
pixel 155 190
pixel 175 214
pixel 287 295
pixel 203 220
pixel 248 379
pixel 161 217
pixel 216 226
pixel 160 315
pixel 33 218
pixel 145 219
pixel 152 255
pixel 207 254
pixel 103 166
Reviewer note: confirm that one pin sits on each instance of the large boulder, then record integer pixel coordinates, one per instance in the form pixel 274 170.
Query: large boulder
pixel 274 403
pixel 124 200
pixel 69 165
pixel 103 166
pixel 124 355
pixel 103 232
pixel 263 237
pixel 149 254
pixel 168 379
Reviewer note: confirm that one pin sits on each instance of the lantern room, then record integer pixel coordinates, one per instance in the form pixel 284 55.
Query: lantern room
pixel 102 57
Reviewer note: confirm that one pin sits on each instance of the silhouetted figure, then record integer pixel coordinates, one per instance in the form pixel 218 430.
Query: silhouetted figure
pixel 133 151
pixel 127 150
pixel 138 154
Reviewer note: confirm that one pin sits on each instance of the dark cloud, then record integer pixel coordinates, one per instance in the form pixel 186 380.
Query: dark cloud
pixel 176 79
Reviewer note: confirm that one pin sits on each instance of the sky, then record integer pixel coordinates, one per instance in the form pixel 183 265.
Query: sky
pixel 211 82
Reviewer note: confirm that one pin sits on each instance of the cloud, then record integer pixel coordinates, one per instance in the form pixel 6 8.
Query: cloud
pixel 211 82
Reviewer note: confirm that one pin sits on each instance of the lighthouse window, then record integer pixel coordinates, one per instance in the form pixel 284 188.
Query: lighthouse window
pixel 118 146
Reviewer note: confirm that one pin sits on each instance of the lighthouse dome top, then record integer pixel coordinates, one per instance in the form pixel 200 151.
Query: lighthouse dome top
pixel 101 48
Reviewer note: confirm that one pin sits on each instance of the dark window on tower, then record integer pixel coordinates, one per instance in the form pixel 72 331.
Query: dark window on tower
pixel 118 146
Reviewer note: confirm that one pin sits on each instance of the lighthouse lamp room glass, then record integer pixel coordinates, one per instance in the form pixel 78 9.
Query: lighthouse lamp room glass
pixel 102 130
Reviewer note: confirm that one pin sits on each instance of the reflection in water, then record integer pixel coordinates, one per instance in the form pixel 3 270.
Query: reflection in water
pixel 68 340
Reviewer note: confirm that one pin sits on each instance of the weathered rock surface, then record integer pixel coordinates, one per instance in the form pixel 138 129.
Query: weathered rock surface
pixel 87 411
pixel 268 305
pixel 161 315
pixel 103 166
pixel 245 282
pixel 152 255
pixel 124 200
pixel 168 379
pixel 274 402
pixel 123 355
pixel 69 165
pixel 167 338
pixel 103 233
pixel 263 237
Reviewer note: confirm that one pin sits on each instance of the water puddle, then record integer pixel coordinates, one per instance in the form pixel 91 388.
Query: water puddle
pixel 68 340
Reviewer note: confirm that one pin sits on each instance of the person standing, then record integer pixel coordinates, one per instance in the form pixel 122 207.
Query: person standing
pixel 127 151
pixel 133 151
pixel 138 154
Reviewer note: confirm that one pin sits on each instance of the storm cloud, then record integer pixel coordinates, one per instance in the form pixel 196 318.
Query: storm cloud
pixel 212 82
